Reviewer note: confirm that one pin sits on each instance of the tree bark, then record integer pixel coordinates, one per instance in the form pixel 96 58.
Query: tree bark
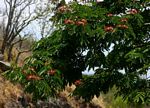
pixel 9 55
pixel 17 58
pixel 3 47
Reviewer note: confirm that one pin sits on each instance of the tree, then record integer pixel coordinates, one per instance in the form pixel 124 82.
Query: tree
pixel 125 27
pixel 116 40
pixel 44 25
pixel 19 14
pixel 95 29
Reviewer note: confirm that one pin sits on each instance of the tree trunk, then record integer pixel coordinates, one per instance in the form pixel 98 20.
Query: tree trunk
pixel 17 58
pixel 9 54
pixel 3 47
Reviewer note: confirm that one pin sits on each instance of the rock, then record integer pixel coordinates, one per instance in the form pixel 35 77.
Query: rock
pixel 12 104
pixel 4 66
pixel 53 103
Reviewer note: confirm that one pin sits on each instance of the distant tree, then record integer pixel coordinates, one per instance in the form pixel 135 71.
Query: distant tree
pixel 45 26
pixel 18 15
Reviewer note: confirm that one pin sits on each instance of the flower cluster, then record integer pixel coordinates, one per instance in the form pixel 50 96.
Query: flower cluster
pixel 81 22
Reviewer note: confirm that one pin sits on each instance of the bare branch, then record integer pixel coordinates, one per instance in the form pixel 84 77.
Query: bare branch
pixel 6 7
pixel 19 16
pixel 20 40
pixel 23 51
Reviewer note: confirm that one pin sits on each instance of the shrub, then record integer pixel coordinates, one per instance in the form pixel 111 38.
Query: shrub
pixel 37 78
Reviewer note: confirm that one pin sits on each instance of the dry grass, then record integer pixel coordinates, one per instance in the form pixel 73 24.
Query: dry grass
pixel 79 103
pixel 9 94
pixel 99 101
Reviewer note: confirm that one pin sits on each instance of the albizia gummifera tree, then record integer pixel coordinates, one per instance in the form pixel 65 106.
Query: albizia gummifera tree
pixel 113 36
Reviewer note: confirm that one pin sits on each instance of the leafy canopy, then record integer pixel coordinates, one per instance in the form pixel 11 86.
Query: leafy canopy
pixel 115 35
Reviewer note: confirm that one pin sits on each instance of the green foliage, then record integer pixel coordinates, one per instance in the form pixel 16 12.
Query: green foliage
pixel 98 29
pixel 119 32
pixel 37 78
